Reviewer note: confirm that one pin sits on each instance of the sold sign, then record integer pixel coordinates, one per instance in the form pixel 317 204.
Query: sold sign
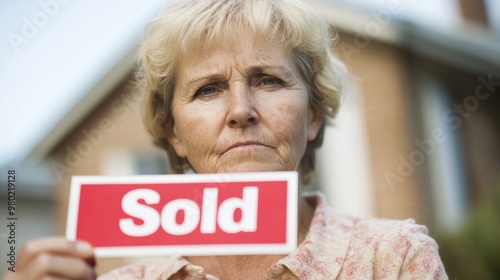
pixel 195 214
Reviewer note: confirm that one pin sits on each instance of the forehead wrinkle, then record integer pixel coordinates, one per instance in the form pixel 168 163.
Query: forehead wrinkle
pixel 220 71
pixel 193 72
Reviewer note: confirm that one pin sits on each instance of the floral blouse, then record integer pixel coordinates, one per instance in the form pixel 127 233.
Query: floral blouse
pixel 337 246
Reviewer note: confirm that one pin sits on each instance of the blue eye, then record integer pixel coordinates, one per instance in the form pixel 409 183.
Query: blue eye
pixel 271 82
pixel 206 91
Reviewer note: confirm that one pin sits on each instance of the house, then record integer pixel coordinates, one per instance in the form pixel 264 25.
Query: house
pixel 417 136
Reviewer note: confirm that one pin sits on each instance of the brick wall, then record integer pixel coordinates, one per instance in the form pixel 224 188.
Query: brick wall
pixel 382 75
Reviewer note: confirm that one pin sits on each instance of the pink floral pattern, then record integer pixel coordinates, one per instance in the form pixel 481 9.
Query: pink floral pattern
pixel 338 246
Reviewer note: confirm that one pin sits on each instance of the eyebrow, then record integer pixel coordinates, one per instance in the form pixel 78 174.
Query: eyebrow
pixel 254 70
pixel 260 69
pixel 209 78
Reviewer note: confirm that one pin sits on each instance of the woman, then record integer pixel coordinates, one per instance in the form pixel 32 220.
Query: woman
pixel 238 86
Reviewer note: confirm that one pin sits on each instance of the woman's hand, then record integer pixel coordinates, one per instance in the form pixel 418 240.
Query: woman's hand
pixel 54 258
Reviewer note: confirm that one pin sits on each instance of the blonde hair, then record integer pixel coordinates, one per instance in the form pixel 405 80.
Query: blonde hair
pixel 193 26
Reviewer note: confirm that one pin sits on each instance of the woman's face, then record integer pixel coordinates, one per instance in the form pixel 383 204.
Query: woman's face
pixel 242 109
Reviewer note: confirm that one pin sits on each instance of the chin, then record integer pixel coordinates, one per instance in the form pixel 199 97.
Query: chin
pixel 251 160
pixel 250 166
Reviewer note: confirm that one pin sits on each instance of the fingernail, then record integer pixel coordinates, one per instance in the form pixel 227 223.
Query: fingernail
pixel 84 247
pixel 90 261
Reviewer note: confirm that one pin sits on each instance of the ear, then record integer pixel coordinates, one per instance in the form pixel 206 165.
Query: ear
pixel 175 141
pixel 314 123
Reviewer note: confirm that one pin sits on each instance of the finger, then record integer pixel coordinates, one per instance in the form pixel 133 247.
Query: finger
pixel 55 245
pixel 17 276
pixel 10 276
pixel 48 265
pixel 52 278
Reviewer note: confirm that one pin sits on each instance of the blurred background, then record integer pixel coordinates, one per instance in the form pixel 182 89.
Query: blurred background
pixel 417 136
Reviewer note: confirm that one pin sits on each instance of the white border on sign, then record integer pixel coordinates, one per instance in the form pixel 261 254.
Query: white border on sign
pixel 195 250
pixel 74 205
pixel 191 250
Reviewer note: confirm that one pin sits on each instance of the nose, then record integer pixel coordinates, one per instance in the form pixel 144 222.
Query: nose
pixel 242 108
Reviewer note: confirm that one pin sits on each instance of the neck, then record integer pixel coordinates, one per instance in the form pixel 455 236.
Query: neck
pixel 304 218
pixel 248 266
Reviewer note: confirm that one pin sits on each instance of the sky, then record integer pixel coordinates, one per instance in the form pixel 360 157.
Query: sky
pixel 52 52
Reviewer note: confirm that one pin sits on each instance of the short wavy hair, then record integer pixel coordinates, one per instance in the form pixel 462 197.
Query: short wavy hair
pixel 192 26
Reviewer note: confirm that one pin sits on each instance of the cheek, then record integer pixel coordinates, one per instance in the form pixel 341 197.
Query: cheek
pixel 191 134
pixel 290 119
pixel 198 131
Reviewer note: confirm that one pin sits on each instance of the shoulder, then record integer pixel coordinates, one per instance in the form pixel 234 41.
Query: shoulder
pixel 371 231
pixel 365 233
pixel 405 232
pixel 352 247
pixel 385 248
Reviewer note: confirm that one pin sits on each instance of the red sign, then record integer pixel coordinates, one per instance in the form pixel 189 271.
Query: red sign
pixel 195 214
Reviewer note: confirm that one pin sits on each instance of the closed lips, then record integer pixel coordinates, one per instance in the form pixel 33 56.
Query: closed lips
pixel 243 144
